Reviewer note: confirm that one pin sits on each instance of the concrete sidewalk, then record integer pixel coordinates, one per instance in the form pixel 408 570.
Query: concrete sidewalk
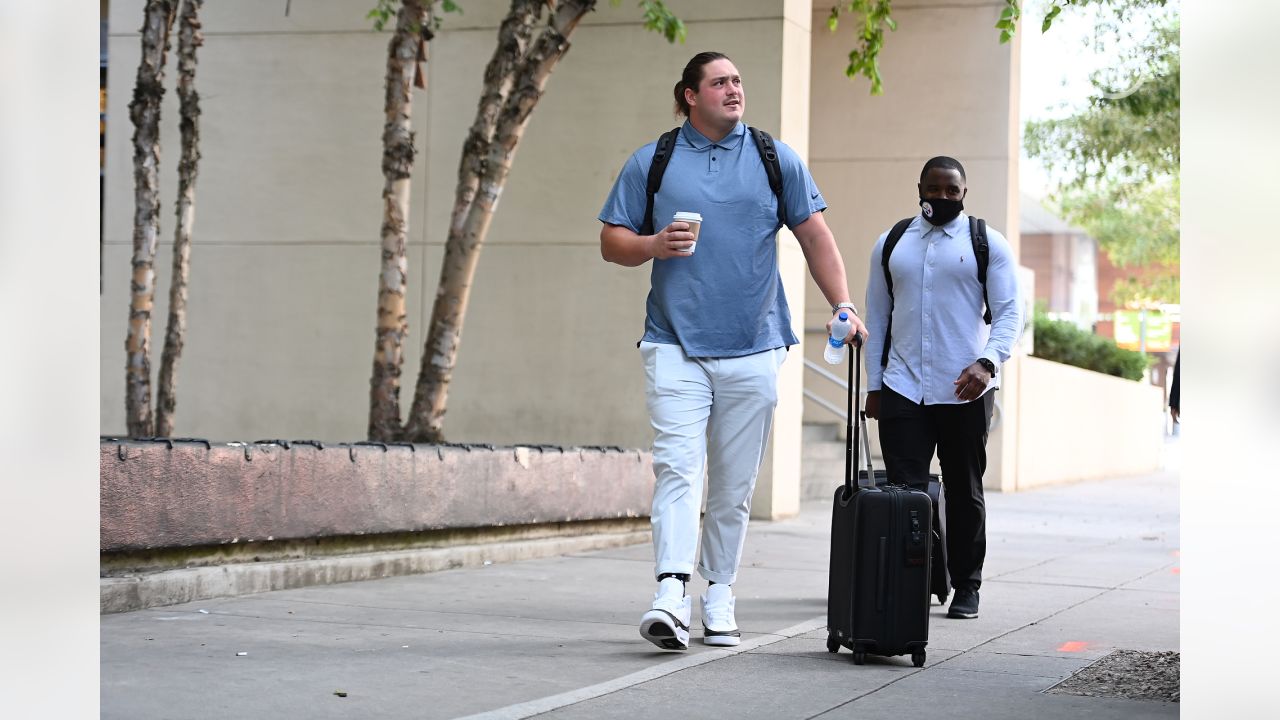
pixel 1072 573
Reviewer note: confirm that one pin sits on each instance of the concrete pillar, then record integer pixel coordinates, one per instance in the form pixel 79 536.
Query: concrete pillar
pixel 1003 446
pixel 950 88
pixel 778 487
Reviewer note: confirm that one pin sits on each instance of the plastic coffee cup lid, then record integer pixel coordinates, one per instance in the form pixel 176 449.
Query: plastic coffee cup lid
pixel 688 217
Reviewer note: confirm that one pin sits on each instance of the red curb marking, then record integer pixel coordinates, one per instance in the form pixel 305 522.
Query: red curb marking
pixel 1176 571
pixel 1073 646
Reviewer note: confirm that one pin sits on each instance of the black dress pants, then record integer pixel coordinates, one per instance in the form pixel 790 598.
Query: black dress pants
pixel 909 434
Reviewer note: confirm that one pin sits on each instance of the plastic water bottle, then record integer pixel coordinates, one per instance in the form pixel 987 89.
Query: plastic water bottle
pixel 836 349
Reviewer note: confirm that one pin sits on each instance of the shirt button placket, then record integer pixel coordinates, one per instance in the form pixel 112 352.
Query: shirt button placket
pixel 926 337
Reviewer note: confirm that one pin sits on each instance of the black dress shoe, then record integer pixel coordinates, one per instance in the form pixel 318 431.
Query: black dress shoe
pixel 965 605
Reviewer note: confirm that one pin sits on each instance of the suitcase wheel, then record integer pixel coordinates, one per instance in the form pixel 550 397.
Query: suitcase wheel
pixel 942 598
pixel 833 645
pixel 859 656
pixel 917 658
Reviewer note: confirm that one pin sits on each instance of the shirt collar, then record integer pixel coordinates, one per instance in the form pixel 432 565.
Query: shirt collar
pixel 951 229
pixel 700 141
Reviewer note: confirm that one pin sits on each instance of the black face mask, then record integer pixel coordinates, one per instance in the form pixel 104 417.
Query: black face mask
pixel 940 211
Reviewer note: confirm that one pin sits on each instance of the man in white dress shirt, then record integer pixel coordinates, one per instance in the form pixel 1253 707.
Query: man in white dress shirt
pixel 933 362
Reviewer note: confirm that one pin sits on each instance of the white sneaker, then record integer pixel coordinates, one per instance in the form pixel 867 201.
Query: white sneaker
pixel 667 623
pixel 718 624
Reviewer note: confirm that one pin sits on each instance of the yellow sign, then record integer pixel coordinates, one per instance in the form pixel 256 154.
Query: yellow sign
pixel 1129 330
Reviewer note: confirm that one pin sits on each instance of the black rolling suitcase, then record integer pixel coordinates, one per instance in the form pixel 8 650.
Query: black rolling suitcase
pixel 881 542
pixel 940 578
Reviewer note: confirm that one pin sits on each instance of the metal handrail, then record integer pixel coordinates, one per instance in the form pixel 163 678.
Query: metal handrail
pixel 834 379
pixel 997 413
pixel 838 412
pixel 825 373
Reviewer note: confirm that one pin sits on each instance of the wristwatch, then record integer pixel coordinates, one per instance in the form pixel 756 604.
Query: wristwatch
pixel 850 306
pixel 990 366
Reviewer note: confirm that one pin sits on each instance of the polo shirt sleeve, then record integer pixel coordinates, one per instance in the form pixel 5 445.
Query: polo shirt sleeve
pixel 626 202
pixel 799 191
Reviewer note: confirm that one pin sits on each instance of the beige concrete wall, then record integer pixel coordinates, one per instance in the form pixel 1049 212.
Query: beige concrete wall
pixel 286 257
pixel 285 262
pixel 778 486
pixel 1081 425
pixel 950 88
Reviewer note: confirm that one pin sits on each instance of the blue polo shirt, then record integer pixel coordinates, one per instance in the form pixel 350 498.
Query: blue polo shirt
pixel 726 299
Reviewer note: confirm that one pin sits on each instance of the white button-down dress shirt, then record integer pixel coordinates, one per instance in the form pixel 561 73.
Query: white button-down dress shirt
pixel 938 328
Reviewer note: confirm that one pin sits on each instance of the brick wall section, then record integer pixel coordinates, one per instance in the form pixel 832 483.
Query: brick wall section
pixel 1039 251
pixel 157 494
pixel 1108 276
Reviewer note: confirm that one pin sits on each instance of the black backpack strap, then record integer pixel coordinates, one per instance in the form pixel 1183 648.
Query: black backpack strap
pixel 982 254
pixel 772 167
pixel 661 157
pixel 890 242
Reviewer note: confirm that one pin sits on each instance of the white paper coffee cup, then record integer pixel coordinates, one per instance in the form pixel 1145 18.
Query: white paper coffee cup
pixel 695 224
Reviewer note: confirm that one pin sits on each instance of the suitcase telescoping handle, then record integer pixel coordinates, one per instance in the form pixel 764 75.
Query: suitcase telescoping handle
pixel 855 437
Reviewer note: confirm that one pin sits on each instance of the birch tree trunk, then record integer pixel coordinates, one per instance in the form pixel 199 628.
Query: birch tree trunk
pixel 144 111
pixel 514 82
pixel 190 37
pixel 408 46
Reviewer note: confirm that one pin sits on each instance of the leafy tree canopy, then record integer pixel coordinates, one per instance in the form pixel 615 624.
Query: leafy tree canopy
pixel 1117 160
pixel 877 16
pixel 1129 129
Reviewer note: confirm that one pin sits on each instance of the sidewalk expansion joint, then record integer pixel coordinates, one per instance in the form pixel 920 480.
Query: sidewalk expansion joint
pixel 1037 621
pixel 911 672
pixel 1055 558
pixel 392 626
pixel 432 611
pixel 1061 584
pixel 573 697
pixel 962 653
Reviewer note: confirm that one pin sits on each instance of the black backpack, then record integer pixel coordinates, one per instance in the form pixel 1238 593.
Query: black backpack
pixel 981 253
pixel 662 156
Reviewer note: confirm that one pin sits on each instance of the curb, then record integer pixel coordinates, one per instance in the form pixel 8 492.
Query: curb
pixel 173 587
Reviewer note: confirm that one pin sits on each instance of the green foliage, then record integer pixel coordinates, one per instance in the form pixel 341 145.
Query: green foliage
pixel 1125 134
pixel 1049 17
pixel 1061 341
pixel 1120 10
pixel 1119 163
pixel 864 58
pixel 877 15
pixel 1012 13
pixel 385 11
pixel 1136 224
pixel 657 17
pixel 661 20
pixel 382 13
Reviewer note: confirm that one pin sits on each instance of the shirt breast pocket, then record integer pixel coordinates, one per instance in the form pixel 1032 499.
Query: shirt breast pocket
pixel 769 207
pixel 748 211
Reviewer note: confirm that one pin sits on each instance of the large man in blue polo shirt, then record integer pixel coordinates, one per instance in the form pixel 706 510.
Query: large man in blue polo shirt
pixel 717 328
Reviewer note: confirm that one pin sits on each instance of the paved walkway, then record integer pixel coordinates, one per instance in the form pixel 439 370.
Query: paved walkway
pixel 1072 573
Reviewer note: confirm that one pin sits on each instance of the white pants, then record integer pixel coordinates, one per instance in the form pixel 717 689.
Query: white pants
pixel 711 417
